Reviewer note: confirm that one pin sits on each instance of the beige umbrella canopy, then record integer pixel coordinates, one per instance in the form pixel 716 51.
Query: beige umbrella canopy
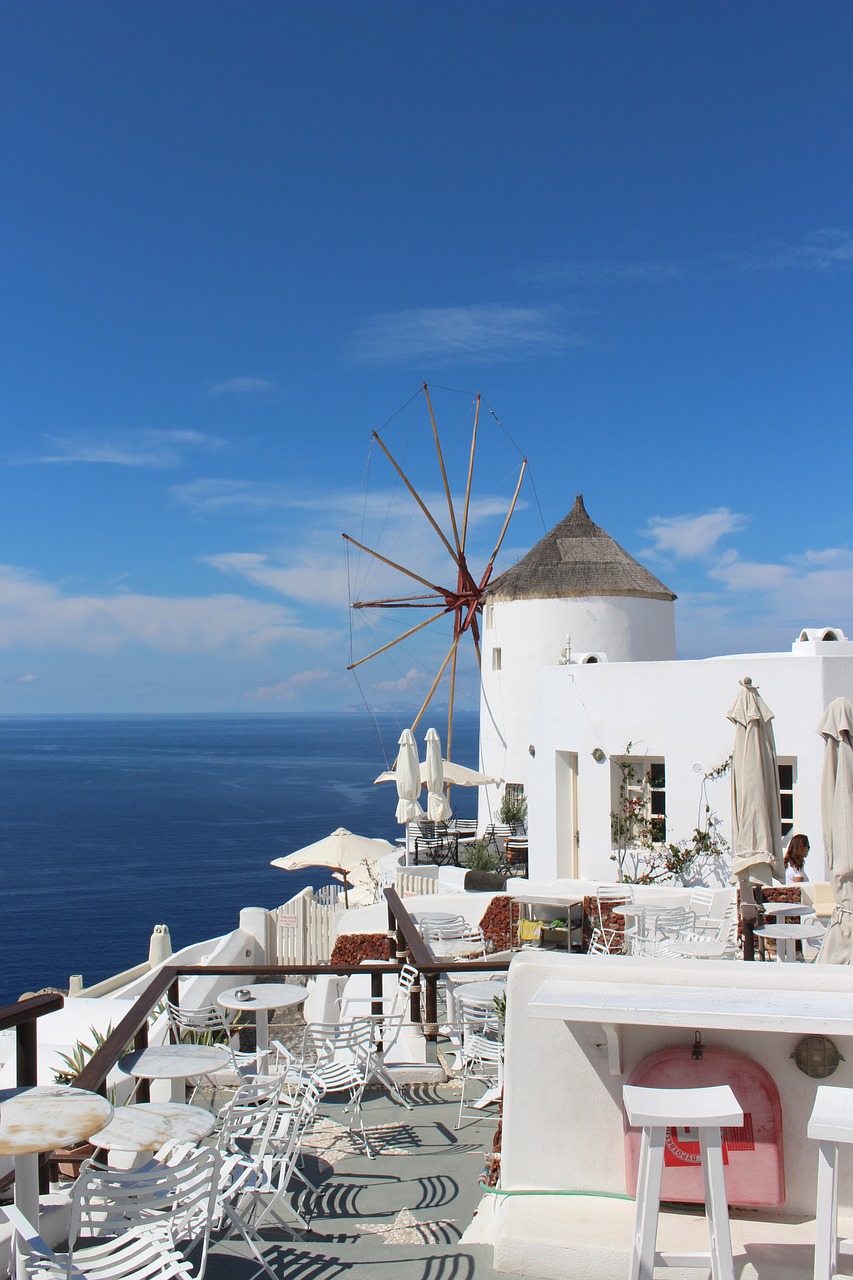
pixel 341 851
pixel 458 775
pixel 836 812
pixel 756 811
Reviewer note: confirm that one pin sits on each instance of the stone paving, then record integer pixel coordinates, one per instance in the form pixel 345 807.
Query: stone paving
pixel 400 1215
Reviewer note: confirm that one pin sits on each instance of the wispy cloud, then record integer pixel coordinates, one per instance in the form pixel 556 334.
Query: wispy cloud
pixel 243 387
pixel 732 603
pixel 290 689
pixel 827 250
pixel 217 496
pixel 485 331
pixel 35 614
pixel 146 447
pixel 312 578
pixel 692 537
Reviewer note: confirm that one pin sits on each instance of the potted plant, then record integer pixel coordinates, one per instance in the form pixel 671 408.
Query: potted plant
pixel 513 811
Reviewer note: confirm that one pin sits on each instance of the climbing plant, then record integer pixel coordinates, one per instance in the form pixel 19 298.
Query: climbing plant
pixel 641 856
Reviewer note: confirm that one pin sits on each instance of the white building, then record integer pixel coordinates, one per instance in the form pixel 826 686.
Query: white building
pixel 555 716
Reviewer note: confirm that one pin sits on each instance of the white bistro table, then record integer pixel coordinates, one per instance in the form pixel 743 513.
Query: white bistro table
pixel 792 909
pixel 42 1118
pixel 264 997
pixel 175 1062
pixel 788 935
pixel 147 1126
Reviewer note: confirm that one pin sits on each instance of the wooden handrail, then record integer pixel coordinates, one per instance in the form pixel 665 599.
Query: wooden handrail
pixel 12 1015
pixel 422 957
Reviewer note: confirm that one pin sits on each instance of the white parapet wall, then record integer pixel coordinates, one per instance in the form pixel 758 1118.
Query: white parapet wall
pixel 563 1118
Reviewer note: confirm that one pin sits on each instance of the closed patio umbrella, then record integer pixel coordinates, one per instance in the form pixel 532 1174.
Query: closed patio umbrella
pixel 408 779
pixel 756 811
pixel 438 806
pixel 836 813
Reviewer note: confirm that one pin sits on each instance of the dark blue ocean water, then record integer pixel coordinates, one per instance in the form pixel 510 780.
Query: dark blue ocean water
pixel 112 824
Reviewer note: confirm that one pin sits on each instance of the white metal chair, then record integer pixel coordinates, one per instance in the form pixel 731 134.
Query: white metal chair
pixel 658 927
pixel 342 1057
pixel 607 938
pixel 129 1223
pixel 469 936
pixel 481 1053
pixel 208 1024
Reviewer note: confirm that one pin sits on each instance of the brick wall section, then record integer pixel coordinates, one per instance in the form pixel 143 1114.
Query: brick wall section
pixel 495 923
pixel 352 948
pixel 611 921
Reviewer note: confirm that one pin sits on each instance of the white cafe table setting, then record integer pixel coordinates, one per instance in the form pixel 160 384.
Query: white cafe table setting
pixel 792 909
pixel 148 1126
pixel 786 937
pixel 176 1063
pixel 42 1118
pixel 262 998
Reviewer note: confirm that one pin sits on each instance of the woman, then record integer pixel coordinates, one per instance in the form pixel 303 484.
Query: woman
pixel 795 858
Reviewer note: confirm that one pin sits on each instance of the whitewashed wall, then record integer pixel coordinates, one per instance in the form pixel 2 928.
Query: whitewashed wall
pixel 674 710
pixel 530 635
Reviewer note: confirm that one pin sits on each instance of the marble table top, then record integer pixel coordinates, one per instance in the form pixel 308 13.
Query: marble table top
pixel 264 995
pixel 44 1117
pixel 175 1061
pixel 787 908
pixel 147 1126
pixel 796 931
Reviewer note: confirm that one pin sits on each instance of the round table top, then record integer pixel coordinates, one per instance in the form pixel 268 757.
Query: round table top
pixel 481 992
pixel 787 908
pixel 175 1061
pixel 265 995
pixel 796 931
pixel 44 1117
pixel 146 1126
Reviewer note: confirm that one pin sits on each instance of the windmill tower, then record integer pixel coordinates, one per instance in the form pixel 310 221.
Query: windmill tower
pixel 576 597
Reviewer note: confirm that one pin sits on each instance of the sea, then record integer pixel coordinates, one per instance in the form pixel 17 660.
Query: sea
pixel 112 824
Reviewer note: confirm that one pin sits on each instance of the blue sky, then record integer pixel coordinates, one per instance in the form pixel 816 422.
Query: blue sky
pixel 237 238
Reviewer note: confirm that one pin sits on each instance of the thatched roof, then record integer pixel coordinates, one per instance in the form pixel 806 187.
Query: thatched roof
pixel 577 559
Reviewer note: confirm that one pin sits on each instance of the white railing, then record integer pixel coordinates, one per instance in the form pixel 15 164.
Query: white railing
pixel 305 930
pixel 411 882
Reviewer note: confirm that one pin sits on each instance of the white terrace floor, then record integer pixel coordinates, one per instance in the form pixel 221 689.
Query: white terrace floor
pixel 401 1215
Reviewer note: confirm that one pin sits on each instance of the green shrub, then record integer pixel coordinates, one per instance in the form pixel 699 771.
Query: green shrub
pixel 482 857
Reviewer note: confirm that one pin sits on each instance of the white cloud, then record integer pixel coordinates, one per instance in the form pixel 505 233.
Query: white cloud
pixel 143 448
pixel 315 579
pixel 243 387
pixel 826 250
pixel 413 679
pixel 693 537
pixel 287 690
pixel 484 331
pixel 36 614
pixel 27 679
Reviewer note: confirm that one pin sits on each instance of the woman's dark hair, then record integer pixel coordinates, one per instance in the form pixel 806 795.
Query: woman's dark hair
pixel 797 852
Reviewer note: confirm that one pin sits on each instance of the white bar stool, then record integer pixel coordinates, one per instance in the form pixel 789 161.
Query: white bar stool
pixel 831 1122
pixel 657 1110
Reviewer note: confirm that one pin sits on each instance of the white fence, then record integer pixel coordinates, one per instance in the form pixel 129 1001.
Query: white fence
pixel 305 929
pixel 411 882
